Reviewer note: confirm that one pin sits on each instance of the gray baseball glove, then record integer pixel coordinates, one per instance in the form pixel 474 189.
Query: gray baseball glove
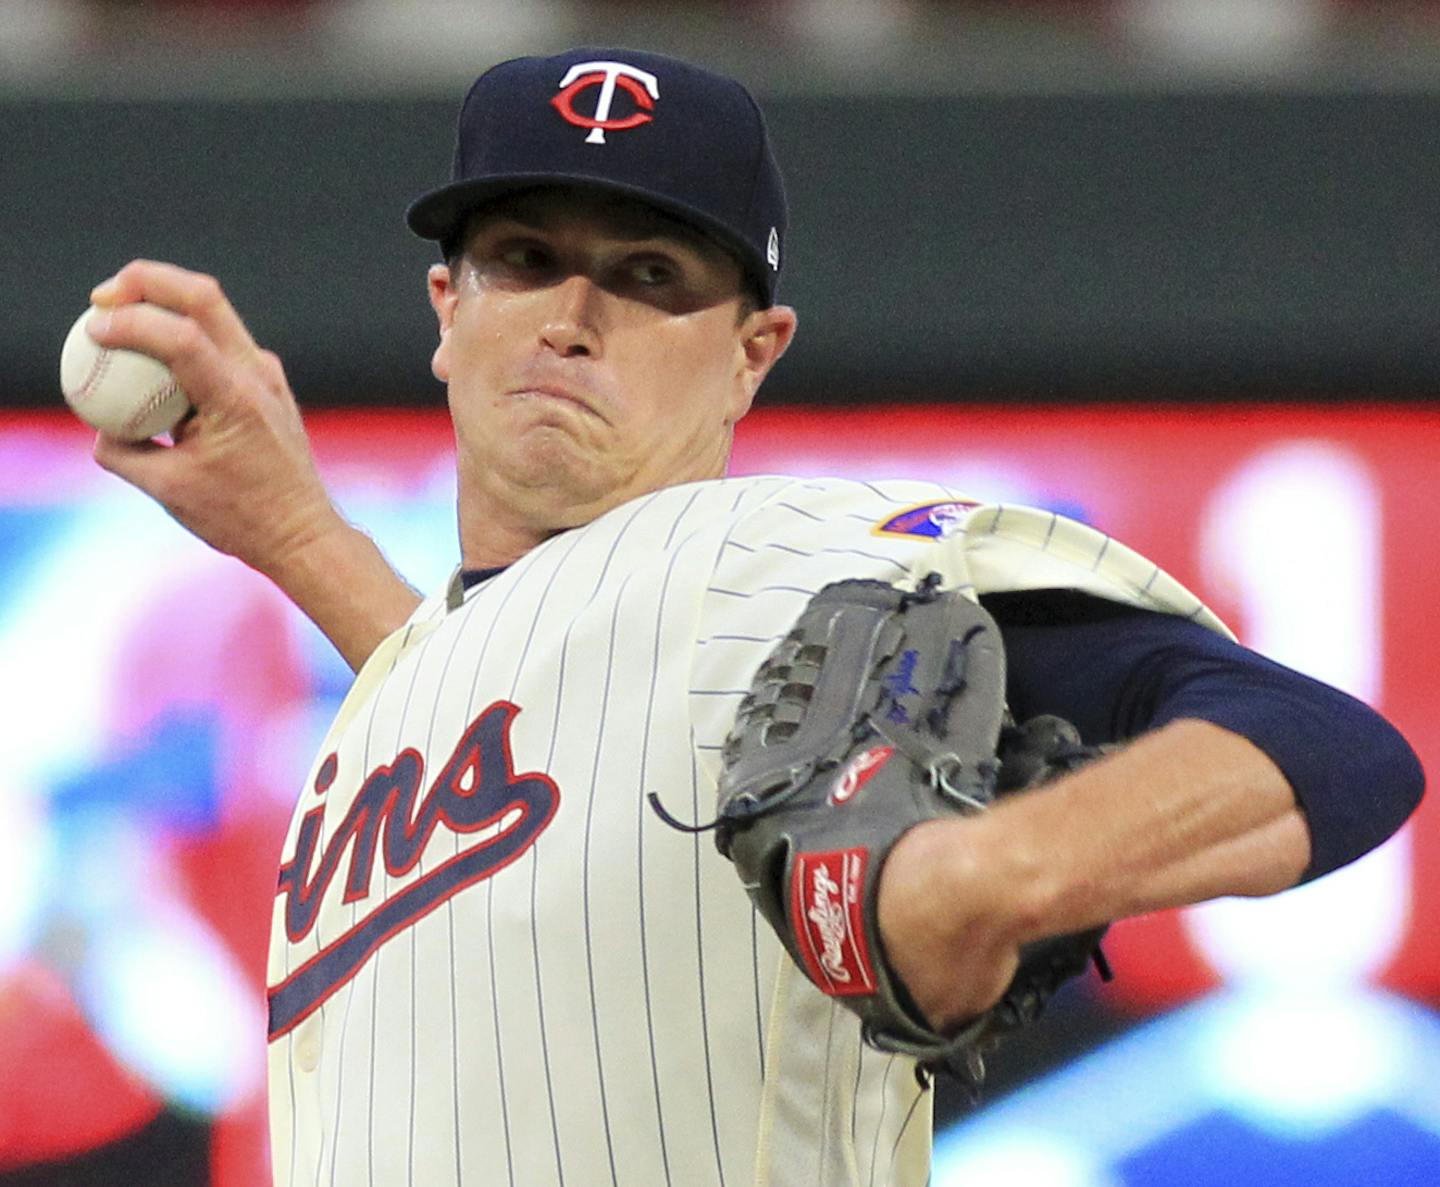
pixel 882 709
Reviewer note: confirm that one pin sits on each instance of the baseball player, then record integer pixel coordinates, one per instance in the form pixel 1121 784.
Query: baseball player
pixel 492 961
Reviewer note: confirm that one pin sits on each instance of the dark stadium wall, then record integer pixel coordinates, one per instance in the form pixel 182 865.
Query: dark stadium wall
pixel 1200 246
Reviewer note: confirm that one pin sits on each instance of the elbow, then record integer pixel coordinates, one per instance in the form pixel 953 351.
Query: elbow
pixel 1399 781
pixel 1410 781
pixel 1387 785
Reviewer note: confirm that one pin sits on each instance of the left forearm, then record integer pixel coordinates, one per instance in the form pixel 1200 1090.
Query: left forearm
pixel 1187 813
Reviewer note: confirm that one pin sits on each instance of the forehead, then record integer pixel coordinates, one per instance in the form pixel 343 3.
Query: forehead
pixel 565 208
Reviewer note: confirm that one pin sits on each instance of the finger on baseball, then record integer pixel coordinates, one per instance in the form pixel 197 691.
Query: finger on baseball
pixel 192 294
pixel 179 342
pixel 134 461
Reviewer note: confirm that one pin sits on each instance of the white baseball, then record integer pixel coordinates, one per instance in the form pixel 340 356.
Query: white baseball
pixel 123 393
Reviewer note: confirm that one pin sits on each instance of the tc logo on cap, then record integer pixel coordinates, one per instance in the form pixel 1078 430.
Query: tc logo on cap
pixel 640 85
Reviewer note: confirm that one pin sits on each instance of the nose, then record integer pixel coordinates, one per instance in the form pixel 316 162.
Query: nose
pixel 571 327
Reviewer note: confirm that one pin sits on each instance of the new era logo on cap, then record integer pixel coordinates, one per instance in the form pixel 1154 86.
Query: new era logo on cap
pixel 640 85
pixel 595 117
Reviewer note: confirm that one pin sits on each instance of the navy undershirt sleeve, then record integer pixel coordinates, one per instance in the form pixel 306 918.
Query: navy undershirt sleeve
pixel 1116 671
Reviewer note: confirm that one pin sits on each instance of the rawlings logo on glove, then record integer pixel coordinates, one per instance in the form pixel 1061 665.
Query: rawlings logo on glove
pixel 858 773
pixel 827 914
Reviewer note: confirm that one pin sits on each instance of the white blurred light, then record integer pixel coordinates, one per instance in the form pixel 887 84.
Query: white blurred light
pixel 1342 928
pixel 1295 535
pixel 1018 1160
pixel 170 1002
pixel 63 621
pixel 57 645
pixel 1304 1063
pixel 434 36
pixel 26 854
pixel 873 25
pixel 1226 34
pixel 419 539
pixel 37 36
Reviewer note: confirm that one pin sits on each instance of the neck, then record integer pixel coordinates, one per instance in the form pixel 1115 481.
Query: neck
pixel 499 524
pixel 499 527
pixel 491 545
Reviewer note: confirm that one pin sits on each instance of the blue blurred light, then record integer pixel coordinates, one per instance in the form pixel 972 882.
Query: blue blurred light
pixel 169 777
pixel 1152 1107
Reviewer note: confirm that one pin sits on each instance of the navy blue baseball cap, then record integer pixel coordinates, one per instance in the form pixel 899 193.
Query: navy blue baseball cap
pixel 682 139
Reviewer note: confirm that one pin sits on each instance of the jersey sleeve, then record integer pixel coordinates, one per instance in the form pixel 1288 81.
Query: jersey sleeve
pixel 1116 671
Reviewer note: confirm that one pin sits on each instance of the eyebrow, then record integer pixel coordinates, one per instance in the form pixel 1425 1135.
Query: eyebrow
pixel 629 231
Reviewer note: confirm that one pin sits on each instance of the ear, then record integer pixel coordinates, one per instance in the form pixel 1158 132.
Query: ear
pixel 764 335
pixel 443 297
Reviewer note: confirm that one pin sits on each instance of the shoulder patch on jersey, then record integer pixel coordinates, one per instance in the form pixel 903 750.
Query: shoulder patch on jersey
pixel 929 521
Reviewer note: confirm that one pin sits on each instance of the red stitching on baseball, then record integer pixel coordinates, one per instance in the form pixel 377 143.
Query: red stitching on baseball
pixel 157 397
pixel 97 371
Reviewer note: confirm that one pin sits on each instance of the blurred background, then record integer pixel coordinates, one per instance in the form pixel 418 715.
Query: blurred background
pixel 1169 266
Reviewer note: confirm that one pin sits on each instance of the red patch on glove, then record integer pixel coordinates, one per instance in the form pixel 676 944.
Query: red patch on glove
pixel 862 767
pixel 827 915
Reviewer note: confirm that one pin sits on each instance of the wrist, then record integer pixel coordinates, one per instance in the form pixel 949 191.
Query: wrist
pixel 341 581
pixel 996 873
pixel 948 920
pixel 1001 858
pixel 311 548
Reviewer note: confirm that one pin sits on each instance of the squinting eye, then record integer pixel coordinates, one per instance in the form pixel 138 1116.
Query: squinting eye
pixel 525 256
pixel 652 272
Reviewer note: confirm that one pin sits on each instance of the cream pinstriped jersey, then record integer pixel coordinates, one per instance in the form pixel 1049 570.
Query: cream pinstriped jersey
pixel 491 963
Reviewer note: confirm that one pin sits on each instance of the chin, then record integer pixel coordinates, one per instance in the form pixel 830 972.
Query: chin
pixel 554 462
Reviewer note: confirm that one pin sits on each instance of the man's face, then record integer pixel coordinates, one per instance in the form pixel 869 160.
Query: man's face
pixel 594 350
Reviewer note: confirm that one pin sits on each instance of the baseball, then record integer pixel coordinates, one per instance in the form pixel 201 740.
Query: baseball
pixel 120 392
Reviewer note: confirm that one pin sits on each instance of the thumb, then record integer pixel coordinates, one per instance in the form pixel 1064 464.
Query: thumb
pixel 139 463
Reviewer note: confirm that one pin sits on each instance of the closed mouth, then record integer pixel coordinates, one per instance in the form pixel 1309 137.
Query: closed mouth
pixel 556 392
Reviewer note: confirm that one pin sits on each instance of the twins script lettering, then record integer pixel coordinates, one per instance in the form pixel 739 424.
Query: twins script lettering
pixel 476 794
